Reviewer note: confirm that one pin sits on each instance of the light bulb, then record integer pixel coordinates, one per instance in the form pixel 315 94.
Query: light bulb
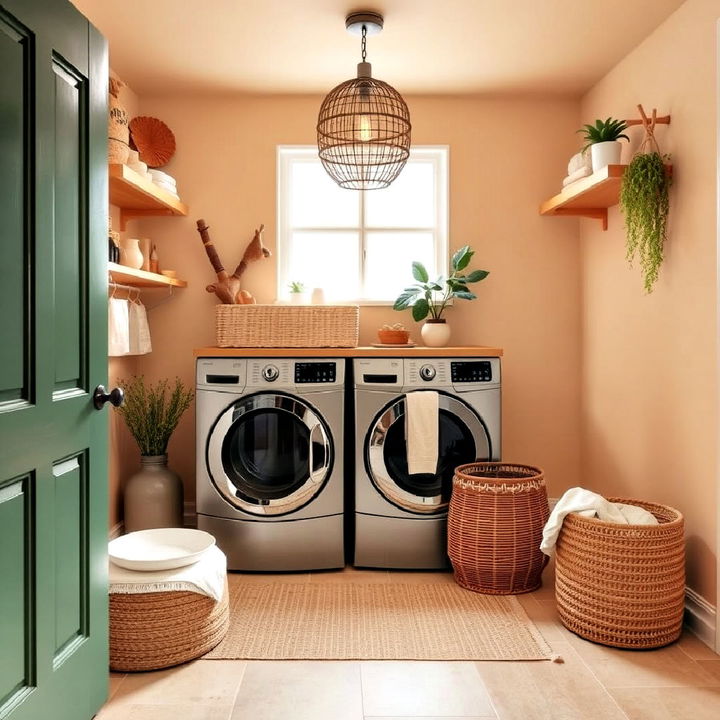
pixel 365 128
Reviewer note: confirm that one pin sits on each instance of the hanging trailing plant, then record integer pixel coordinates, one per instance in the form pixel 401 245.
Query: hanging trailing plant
pixel 645 202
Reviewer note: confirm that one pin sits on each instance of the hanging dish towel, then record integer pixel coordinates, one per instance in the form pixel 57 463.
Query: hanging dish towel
pixel 422 428
pixel 118 327
pixel 205 577
pixel 139 330
pixel 590 504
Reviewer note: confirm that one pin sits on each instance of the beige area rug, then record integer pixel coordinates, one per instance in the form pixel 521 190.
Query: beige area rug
pixel 353 621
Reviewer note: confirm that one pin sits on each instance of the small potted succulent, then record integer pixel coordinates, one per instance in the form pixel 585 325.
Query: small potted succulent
pixel 298 295
pixel 153 497
pixel 431 298
pixel 603 139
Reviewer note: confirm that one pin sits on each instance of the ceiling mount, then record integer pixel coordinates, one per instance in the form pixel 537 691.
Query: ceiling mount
pixel 372 21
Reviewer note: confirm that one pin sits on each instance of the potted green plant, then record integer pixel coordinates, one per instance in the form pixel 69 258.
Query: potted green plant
pixel 153 496
pixel 431 298
pixel 603 139
pixel 297 293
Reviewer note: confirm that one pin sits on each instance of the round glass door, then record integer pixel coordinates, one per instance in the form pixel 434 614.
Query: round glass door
pixel 462 438
pixel 269 454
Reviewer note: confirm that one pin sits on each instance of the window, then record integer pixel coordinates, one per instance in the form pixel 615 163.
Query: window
pixel 358 246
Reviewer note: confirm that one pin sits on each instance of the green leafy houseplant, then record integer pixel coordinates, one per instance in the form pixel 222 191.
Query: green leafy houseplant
pixel 428 297
pixel 150 414
pixel 296 287
pixel 603 131
pixel 645 202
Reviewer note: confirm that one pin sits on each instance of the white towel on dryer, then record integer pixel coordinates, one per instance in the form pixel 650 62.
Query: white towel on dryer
pixel 423 431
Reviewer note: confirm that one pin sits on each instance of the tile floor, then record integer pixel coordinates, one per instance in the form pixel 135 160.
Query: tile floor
pixel 680 682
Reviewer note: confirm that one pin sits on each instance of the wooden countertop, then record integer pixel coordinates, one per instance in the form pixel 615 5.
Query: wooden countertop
pixel 418 351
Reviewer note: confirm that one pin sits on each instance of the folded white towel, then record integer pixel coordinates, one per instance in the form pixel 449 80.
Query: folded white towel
pixel 118 327
pixel 578 161
pixel 577 175
pixel 205 577
pixel 423 429
pixel 590 504
pixel 139 330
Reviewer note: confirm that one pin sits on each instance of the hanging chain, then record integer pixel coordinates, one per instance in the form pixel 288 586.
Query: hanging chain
pixel 363 43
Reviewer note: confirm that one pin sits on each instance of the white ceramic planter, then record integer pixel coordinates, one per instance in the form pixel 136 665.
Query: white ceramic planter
pixel 298 298
pixel 605 153
pixel 435 333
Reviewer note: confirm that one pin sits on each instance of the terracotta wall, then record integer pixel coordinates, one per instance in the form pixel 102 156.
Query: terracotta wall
pixel 500 169
pixel 649 382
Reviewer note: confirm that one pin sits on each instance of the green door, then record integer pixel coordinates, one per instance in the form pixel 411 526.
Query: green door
pixel 53 353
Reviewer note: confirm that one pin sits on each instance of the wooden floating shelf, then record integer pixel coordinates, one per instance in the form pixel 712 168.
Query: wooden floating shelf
pixel 591 196
pixel 137 196
pixel 141 278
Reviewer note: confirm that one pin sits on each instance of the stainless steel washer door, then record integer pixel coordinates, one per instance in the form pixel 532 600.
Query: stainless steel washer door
pixel 269 454
pixel 463 438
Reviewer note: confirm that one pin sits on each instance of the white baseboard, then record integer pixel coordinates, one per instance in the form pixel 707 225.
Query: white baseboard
pixel 700 617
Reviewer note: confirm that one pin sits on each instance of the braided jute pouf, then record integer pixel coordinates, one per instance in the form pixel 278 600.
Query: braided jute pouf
pixel 495 523
pixel 149 631
pixel 622 585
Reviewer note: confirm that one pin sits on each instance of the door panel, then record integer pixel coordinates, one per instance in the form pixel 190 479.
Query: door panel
pixel 54 89
pixel 15 113
pixel 16 630
pixel 70 229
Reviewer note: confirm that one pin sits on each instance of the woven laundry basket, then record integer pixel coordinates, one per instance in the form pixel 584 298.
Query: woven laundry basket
pixel 287 325
pixel 495 523
pixel 622 585
pixel 155 630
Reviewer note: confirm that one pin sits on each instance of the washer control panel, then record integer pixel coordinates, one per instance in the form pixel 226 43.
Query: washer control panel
pixel 270 373
pixel 315 372
pixel 427 372
pixel 471 371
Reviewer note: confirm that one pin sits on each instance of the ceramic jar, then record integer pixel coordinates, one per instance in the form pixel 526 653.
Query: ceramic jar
pixel 435 333
pixel 130 253
pixel 153 496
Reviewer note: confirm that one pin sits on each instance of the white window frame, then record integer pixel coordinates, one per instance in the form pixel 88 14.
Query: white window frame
pixel 439 155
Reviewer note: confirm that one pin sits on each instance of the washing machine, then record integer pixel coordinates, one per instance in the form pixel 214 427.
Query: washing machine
pixel 270 461
pixel 401 519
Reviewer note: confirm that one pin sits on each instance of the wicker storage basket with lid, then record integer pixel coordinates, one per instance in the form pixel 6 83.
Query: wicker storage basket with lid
pixel 622 585
pixel 495 523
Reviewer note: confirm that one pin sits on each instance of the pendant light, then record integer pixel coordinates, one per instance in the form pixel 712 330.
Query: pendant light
pixel 363 129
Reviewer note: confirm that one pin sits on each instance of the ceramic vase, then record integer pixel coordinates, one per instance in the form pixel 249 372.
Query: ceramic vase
pixel 435 333
pixel 605 153
pixel 153 496
pixel 130 253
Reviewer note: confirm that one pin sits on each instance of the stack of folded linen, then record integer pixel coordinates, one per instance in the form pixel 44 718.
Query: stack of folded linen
pixel 580 166
pixel 165 181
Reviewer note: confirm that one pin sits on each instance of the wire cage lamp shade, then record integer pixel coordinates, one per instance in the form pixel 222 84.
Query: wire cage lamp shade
pixel 363 129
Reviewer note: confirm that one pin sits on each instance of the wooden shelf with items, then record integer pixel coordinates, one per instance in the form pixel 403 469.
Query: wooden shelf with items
pixel 141 278
pixel 591 196
pixel 137 196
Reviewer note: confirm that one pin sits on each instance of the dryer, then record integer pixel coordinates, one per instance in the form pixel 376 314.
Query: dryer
pixel 270 460
pixel 401 519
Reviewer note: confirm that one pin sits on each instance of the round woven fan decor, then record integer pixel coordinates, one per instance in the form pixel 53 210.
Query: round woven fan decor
pixel 153 139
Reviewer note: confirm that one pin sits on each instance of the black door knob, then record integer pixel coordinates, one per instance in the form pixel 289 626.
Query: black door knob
pixel 114 397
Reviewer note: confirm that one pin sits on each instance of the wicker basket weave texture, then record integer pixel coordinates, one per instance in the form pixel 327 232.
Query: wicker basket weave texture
pixel 287 325
pixel 155 630
pixel 495 523
pixel 622 585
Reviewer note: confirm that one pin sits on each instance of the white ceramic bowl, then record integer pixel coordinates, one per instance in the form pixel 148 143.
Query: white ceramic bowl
pixel 161 177
pixel 159 549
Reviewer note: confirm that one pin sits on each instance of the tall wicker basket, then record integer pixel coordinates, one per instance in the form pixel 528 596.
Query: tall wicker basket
pixel 622 585
pixel 497 514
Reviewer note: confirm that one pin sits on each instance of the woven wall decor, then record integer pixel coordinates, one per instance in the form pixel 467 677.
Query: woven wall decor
pixel 363 129
pixel 153 140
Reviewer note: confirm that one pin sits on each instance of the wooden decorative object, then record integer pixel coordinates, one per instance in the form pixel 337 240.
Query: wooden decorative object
pixel 227 287
pixel 153 139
